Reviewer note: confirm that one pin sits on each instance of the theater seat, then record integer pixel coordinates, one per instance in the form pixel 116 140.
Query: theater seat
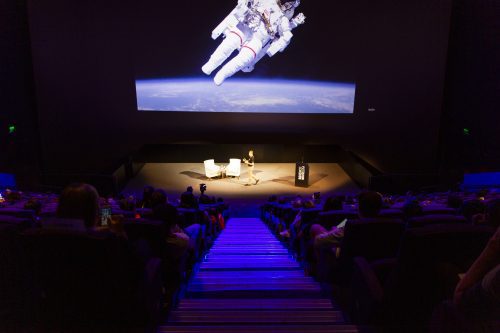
pixel 423 221
pixel 80 278
pixel 424 274
pixel 370 238
pixel 334 217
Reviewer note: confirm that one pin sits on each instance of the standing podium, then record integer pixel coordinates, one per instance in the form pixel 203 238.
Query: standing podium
pixel 302 174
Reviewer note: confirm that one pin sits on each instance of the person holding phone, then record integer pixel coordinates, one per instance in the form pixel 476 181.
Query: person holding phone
pixel 80 201
pixel 370 204
pixel 250 162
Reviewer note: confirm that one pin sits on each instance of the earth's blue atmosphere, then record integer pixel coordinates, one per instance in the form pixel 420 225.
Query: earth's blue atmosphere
pixel 238 95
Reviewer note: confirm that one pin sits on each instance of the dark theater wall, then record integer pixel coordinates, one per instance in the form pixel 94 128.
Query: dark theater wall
pixel 84 53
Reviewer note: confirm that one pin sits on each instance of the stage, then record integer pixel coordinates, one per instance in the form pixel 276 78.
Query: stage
pixel 275 178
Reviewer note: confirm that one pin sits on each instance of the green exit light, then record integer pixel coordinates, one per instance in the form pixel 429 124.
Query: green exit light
pixel 466 131
pixel 12 129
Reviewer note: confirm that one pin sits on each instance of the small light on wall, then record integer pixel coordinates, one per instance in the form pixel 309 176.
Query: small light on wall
pixel 12 129
pixel 466 131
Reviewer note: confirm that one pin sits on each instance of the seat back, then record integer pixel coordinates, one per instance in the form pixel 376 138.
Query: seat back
pixel 371 238
pixel 209 163
pixel 234 167
pixel 428 264
pixel 426 220
pixel 334 217
pixel 80 276
pixel 142 232
pixel 391 213
pixel 437 210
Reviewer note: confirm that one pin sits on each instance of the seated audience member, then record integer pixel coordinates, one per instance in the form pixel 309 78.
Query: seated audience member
pixel 297 202
pixel 188 200
pixel 476 301
pixel 412 208
pixel 297 222
pixel 470 208
pixel 147 194
pixel 81 201
pixel 204 199
pixel 370 204
pixel 454 201
pixel 159 197
pixel 333 203
pixel 127 203
pixel 492 215
pixel 179 240
pixel 35 205
pixel 12 196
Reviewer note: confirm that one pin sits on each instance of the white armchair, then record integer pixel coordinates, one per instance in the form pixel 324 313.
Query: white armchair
pixel 234 167
pixel 212 170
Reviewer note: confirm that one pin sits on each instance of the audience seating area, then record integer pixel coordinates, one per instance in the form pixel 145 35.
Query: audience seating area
pixel 391 271
pixel 388 273
pixel 59 278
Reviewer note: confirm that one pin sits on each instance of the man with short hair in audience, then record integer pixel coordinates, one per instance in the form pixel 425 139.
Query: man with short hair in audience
pixel 146 197
pixel 370 204
pixel 158 197
pixel 188 200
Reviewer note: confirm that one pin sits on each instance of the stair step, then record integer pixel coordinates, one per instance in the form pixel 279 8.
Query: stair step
pixel 263 329
pixel 249 283
pixel 256 304
pixel 247 266
pixel 232 275
pixel 201 287
pixel 257 316
pixel 212 280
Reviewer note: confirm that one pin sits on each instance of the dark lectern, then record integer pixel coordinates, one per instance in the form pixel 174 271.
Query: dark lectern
pixel 302 174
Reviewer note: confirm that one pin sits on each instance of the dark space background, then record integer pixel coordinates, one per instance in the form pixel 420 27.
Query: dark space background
pixel 429 69
pixel 326 47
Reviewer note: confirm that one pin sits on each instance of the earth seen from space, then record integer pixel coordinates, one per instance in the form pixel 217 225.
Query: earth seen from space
pixel 240 95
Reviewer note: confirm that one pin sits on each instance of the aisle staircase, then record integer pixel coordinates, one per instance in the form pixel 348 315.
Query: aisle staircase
pixel 249 283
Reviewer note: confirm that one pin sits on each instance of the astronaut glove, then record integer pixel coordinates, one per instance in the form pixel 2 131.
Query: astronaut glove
pixel 299 19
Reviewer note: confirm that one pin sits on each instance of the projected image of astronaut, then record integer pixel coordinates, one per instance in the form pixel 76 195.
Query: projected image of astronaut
pixel 255 28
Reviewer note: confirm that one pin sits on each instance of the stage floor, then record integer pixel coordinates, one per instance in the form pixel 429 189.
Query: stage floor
pixel 275 178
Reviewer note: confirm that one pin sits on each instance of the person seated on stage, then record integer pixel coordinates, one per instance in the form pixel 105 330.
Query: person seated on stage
pixel 188 200
pixel 147 194
pixel 370 204
pixel 80 201
pixel 204 199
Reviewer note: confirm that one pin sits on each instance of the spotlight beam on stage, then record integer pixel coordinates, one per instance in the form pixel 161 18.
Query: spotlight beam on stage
pixel 275 178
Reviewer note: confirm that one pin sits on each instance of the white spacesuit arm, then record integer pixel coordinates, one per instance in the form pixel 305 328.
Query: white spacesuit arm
pixel 285 38
pixel 236 15
pixel 297 20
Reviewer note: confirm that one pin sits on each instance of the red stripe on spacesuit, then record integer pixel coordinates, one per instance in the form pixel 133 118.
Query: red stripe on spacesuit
pixel 254 53
pixel 237 34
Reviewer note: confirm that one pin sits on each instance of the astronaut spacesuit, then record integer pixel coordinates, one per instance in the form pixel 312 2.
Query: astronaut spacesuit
pixel 255 28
